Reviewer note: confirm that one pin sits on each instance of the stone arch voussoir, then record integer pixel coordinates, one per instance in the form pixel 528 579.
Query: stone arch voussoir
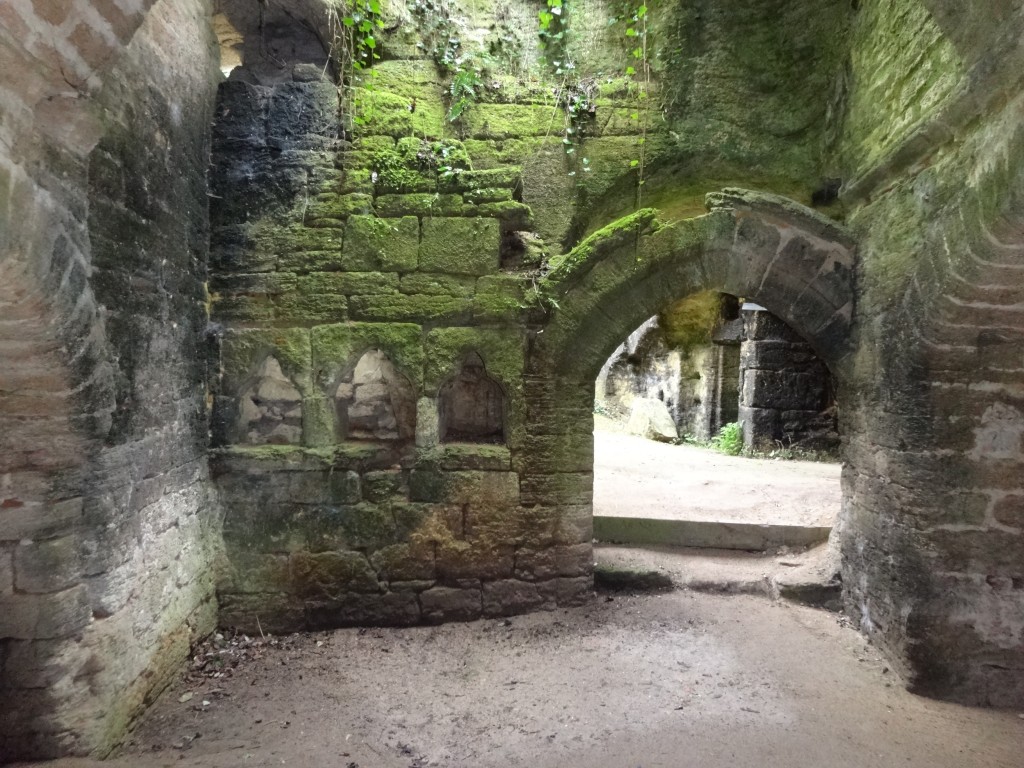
pixel 797 263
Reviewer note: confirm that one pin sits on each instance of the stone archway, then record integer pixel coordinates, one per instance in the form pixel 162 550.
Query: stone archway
pixel 771 250
pixel 787 258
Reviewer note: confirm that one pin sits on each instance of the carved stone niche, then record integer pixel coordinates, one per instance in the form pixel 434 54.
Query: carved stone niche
pixel 270 410
pixel 472 406
pixel 375 402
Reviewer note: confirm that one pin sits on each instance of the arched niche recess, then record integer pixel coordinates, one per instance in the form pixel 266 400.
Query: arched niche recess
pixel 374 401
pixel 471 406
pixel 270 410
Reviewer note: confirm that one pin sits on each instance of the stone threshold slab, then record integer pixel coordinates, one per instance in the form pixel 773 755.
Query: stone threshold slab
pixel 706 534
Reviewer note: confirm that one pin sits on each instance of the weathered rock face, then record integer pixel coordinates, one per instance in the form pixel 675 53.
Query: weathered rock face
pixel 107 530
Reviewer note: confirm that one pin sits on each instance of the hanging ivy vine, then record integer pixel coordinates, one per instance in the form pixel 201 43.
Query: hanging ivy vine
pixel 354 26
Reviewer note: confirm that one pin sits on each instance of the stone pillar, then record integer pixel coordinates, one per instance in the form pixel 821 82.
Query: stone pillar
pixel 785 390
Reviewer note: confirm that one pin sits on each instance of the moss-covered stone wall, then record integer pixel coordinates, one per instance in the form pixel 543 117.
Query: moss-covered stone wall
pixel 932 552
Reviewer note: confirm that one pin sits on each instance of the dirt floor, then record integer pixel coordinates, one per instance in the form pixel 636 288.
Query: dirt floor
pixel 635 477
pixel 654 681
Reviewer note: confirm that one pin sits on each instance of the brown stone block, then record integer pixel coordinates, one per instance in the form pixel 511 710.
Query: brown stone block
pixel 450 604
pixel 260 613
pixel 572 560
pixel 124 23
pixel 567 591
pixel 509 597
pixel 21 520
pixel 91 45
pixel 556 489
pixel 392 609
pixel 493 489
pixel 52 11
pixel 404 563
pixel 327 574
pixel 461 560
pixel 1009 510
pixel 59 614
pixel 48 565
pixel 254 573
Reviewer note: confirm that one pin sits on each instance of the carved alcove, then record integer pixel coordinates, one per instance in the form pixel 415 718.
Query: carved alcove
pixel 471 406
pixel 270 409
pixel 374 401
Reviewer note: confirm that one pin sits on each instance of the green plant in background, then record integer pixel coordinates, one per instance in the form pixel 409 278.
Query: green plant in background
pixel 354 25
pixel 729 439
pixel 443 32
pixel 553 32
pixel 640 70
pixel 463 92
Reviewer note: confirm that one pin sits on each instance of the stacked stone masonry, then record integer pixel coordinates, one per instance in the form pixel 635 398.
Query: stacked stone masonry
pixel 346 375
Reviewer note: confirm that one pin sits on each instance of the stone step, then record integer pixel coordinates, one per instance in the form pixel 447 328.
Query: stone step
pixel 807 577
pixel 706 533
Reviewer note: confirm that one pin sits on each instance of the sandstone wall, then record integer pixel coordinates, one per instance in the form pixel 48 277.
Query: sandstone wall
pixel 107 536
pixel 932 537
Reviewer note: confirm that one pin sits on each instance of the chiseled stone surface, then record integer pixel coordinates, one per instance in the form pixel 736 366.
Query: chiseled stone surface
pixel 293 398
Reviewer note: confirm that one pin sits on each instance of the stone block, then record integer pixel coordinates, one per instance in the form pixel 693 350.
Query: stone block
pixel 435 284
pixel 781 356
pixel 557 488
pixel 460 246
pixel 470 456
pixel 459 560
pixel 782 391
pixel 6 571
pixel 759 325
pixel 488 195
pixel 568 452
pixel 330 209
pixel 405 309
pixel 49 565
pixel 384 245
pixel 254 573
pixel 555 561
pixel 385 485
pixel 336 346
pixel 391 609
pixel 490 489
pixel 565 592
pixel 31 521
pixel 303 116
pixel 404 563
pixel 261 613
pixel 344 487
pixel 348 283
pixel 328 574
pixel 427 423
pixel 53 615
pixel 1009 510
pixel 440 604
pixel 509 597
pixel 501 351
pixel 419 204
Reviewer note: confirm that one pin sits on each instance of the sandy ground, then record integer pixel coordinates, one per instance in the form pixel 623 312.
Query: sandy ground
pixel 635 477
pixel 653 681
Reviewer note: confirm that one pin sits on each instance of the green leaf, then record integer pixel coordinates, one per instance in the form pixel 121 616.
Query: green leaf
pixel 630 32
pixel 369 42
pixel 630 71
pixel 634 163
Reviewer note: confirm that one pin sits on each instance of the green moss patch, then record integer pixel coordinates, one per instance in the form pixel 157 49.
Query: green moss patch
pixel 460 246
